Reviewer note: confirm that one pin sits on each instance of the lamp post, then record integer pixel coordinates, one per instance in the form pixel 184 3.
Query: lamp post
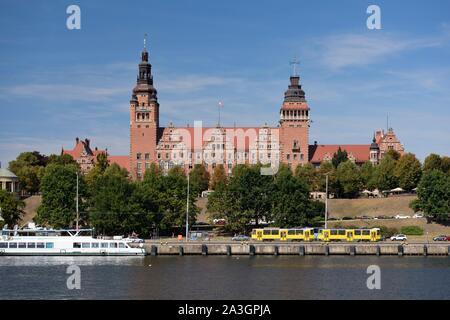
pixel 326 199
pixel 78 214
pixel 187 208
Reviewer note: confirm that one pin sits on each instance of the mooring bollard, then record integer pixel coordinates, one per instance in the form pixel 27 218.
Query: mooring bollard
pixel 400 250
pixel 228 250
pixel 275 250
pixel 153 250
pixel 251 250
pixel 378 250
pixel 301 250
pixel 327 250
pixel 181 250
pixel 204 249
pixel 352 250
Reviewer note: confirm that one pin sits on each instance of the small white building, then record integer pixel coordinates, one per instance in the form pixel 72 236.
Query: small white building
pixel 8 181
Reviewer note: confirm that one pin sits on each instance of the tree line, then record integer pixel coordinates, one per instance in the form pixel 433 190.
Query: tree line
pixel 112 203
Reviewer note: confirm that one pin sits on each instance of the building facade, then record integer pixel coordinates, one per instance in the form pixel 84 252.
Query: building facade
pixel 170 146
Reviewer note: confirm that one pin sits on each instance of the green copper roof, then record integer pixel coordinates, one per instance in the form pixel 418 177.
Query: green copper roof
pixel 5 173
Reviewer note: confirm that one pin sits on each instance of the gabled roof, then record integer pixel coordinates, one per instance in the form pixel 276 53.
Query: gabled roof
pixel 321 152
pixel 121 161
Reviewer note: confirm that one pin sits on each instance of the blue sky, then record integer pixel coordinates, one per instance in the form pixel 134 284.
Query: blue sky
pixel 57 84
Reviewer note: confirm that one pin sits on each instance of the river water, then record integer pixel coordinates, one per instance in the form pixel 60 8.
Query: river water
pixel 223 277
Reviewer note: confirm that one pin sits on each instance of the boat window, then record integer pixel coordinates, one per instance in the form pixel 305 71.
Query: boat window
pixel 31 245
pixel 49 245
pixel 3 245
pixel 77 245
pixel 121 245
pixel 13 244
pixel 113 244
pixel 86 245
pixel 40 245
pixel 22 245
pixel 94 244
pixel 104 244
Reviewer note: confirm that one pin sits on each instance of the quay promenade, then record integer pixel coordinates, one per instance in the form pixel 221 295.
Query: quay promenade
pixel 300 248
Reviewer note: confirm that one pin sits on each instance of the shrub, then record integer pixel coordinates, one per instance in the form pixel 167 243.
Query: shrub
pixel 412 230
pixel 388 232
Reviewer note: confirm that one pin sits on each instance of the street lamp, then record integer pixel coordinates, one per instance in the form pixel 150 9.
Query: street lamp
pixel 326 199
pixel 187 208
pixel 78 214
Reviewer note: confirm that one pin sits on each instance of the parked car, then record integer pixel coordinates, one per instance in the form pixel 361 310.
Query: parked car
pixel 220 221
pixel 418 216
pixel 401 216
pixel 441 238
pixel 366 217
pixel 240 237
pixel 399 237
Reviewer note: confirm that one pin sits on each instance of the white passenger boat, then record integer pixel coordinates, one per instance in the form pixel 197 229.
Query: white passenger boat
pixel 47 242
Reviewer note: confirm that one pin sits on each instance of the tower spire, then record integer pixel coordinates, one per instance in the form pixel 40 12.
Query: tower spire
pixel 145 41
pixel 294 62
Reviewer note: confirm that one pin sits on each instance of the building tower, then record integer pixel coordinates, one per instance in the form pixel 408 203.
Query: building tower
pixel 294 125
pixel 144 119
pixel 374 152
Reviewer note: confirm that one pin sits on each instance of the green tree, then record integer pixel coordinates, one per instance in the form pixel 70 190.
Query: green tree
pixel 349 179
pixel 11 208
pixel 386 178
pixel 291 205
pixel 432 162
pixel 433 195
pixel 408 171
pixel 339 157
pixel 368 175
pixel 64 159
pixel 199 179
pixel 445 165
pixel 100 167
pixel 28 167
pixel 327 168
pixel 110 204
pixel 219 176
pixel 309 175
pixel 244 199
pixel 393 154
pixel 173 196
pixel 58 187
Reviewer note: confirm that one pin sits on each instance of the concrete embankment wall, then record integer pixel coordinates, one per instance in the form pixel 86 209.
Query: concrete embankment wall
pixel 296 249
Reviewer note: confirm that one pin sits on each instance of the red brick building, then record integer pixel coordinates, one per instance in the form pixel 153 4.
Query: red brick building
pixel 86 157
pixel 185 146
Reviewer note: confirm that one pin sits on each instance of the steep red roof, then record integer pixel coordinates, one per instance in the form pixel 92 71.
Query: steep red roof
pixel 121 161
pixel 321 152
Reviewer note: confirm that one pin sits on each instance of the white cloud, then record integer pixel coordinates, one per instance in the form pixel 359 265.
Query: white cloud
pixel 344 50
